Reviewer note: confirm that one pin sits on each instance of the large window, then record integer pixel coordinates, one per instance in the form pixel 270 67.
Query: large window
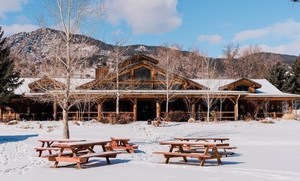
pixel 142 74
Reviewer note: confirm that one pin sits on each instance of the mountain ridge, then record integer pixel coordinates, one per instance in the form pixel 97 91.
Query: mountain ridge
pixel 41 45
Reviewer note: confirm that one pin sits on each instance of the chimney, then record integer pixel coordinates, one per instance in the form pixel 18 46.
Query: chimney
pixel 101 71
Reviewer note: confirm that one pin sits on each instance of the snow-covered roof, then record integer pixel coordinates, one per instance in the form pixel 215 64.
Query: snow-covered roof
pixel 23 89
pixel 214 84
pixel 266 90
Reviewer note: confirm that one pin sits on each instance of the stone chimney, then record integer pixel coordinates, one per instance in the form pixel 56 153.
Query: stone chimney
pixel 101 71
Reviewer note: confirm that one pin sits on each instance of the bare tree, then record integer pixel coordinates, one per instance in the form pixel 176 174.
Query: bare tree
pixel 116 56
pixel 253 63
pixel 69 16
pixel 230 55
pixel 169 61
pixel 209 73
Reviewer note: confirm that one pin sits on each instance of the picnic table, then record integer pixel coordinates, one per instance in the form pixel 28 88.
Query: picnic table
pixel 47 144
pixel 210 150
pixel 121 144
pixel 207 139
pixel 80 152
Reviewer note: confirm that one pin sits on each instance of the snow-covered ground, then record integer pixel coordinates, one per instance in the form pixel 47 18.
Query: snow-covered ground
pixel 265 152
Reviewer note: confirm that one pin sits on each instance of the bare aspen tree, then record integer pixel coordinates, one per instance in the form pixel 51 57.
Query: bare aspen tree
pixel 69 16
pixel 209 74
pixel 169 60
pixel 255 64
pixel 116 56
pixel 230 55
pixel 192 65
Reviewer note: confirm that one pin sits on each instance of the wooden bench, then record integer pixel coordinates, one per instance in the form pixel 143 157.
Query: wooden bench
pixel 67 154
pixel 202 157
pixel 121 144
pixel 50 149
pixel 68 157
pixel 225 148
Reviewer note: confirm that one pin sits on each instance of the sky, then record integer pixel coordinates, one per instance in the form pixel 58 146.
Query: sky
pixel 206 25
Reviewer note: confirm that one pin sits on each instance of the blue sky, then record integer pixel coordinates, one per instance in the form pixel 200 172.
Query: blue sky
pixel 209 25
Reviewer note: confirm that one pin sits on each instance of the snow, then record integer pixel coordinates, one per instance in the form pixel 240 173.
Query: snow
pixel 265 151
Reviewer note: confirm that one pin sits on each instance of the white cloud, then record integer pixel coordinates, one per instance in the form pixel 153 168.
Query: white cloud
pixel 213 39
pixel 11 6
pixel 285 30
pixel 16 28
pixel 289 48
pixel 285 34
pixel 146 16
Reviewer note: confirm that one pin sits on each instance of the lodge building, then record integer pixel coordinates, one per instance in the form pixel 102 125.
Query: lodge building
pixel 143 88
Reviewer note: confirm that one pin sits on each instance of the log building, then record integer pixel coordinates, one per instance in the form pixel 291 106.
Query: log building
pixel 143 88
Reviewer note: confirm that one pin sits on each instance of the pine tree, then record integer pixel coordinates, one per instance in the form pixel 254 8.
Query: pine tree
pixel 279 76
pixel 9 78
pixel 296 75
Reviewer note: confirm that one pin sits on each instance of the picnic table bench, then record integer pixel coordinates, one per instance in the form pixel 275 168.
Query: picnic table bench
pixel 210 151
pixel 47 145
pixel 209 139
pixel 121 144
pixel 80 152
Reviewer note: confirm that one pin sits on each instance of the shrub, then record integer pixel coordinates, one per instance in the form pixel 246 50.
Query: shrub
pixel 178 116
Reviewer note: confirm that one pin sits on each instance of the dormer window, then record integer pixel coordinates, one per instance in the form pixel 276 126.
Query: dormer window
pixel 142 74
pixel 242 88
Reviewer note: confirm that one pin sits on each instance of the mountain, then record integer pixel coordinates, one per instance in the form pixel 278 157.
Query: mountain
pixel 41 45
pixel 29 50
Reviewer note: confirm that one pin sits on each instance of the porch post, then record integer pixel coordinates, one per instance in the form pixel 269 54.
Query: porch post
pixel 157 108
pixel 77 115
pixel 55 109
pixel 290 108
pixel 1 114
pixel 99 109
pixel 236 108
pixel 193 109
pixel 135 109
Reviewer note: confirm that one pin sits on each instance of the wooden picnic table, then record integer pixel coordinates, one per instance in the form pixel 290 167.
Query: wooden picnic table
pixel 210 150
pixel 121 144
pixel 80 152
pixel 47 144
pixel 207 139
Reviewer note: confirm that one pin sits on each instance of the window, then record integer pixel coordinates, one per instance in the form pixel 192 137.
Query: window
pixel 242 88
pixel 142 74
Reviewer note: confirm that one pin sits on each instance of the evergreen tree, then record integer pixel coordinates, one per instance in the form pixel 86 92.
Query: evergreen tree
pixel 9 78
pixel 279 76
pixel 296 75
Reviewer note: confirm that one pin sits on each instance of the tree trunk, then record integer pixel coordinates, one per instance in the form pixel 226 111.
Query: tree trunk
pixel 66 132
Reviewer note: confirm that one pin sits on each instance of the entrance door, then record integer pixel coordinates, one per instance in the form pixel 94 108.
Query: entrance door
pixel 145 110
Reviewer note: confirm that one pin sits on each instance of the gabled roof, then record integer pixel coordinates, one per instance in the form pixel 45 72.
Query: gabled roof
pixel 136 58
pixel 137 61
pixel 242 81
pixel 45 82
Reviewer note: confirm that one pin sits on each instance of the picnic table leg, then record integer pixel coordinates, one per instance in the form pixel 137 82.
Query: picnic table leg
pixel 107 160
pixel 49 145
pixel 40 151
pixel 217 155
pixel 170 150
pixel 56 162
pixel 128 147
pixel 202 163
pixel 182 151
